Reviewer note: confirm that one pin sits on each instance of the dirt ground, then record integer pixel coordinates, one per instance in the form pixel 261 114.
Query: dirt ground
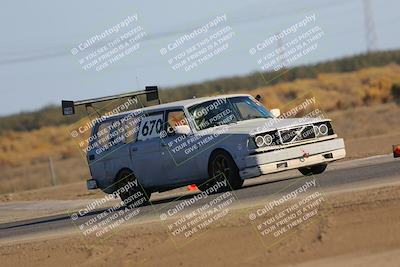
pixel 356 229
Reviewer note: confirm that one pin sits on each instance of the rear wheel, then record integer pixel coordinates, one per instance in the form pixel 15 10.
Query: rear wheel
pixel 315 169
pixel 135 195
pixel 223 166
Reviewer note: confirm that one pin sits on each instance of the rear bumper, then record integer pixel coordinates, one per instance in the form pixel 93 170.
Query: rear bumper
pixel 293 158
pixel 91 184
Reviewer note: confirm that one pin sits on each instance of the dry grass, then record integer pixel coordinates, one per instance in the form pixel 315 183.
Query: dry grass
pixel 32 176
pixel 367 121
pixel 337 91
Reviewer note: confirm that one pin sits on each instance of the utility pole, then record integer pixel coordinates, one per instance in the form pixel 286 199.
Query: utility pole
pixel 281 53
pixel 370 31
pixel 282 59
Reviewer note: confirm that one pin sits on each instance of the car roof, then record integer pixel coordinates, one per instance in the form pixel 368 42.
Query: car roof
pixel 177 104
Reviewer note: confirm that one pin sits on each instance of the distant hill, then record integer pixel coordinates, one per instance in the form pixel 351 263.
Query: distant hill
pixel 258 79
pixel 51 115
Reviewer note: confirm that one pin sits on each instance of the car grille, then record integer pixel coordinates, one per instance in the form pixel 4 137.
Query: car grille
pixel 296 134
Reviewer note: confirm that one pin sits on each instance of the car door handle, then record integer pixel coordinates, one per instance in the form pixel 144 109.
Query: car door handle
pixel 134 148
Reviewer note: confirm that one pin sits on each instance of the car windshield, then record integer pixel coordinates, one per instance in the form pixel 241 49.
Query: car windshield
pixel 224 111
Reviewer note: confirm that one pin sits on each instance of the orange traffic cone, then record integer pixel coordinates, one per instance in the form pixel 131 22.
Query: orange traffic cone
pixel 396 151
pixel 192 187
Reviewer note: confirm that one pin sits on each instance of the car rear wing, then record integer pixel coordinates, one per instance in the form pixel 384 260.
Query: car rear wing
pixel 68 106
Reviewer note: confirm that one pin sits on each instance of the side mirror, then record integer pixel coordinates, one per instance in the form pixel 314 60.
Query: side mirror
pixel 182 129
pixel 276 112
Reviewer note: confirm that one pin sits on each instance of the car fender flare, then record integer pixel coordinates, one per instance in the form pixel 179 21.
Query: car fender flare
pixel 216 150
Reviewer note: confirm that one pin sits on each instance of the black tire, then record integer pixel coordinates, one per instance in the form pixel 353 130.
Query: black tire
pixel 221 162
pixel 123 178
pixel 312 170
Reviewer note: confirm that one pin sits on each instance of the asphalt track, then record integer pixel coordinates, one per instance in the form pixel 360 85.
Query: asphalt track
pixel 345 175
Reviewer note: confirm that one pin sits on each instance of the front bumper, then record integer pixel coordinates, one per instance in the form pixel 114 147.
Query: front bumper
pixel 293 158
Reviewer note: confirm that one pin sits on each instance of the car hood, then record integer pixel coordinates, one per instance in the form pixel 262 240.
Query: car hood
pixel 264 125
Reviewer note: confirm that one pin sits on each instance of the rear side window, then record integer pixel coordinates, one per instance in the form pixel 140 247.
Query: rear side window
pixel 109 134
pixel 116 135
pixel 131 129
pixel 103 134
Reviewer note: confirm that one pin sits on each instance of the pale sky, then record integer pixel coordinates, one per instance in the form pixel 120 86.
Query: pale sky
pixel 37 67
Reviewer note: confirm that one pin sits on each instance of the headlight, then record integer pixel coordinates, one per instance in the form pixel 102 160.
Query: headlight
pixel 263 140
pixel 268 139
pixel 323 129
pixel 260 141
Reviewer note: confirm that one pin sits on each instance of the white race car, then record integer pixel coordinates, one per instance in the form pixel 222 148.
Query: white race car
pixel 193 141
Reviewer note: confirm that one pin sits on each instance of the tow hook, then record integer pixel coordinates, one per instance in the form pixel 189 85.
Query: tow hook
pixel 304 156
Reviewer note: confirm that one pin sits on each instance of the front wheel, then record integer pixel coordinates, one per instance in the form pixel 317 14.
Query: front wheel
pixel 315 169
pixel 223 166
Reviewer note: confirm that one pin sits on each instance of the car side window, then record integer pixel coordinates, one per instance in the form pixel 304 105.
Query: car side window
pixel 110 134
pixel 175 118
pixel 103 134
pixel 116 133
pixel 247 111
pixel 151 126
pixel 131 129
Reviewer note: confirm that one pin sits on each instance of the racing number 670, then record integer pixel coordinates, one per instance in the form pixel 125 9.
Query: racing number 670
pixel 148 127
